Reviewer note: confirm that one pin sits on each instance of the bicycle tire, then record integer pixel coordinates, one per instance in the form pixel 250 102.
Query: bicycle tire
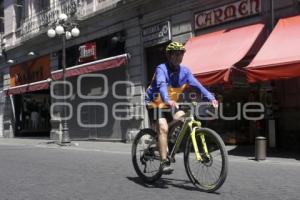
pixel 207 187
pixel 136 158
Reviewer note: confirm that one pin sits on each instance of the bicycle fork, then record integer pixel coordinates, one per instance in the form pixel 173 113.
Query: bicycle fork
pixel 195 145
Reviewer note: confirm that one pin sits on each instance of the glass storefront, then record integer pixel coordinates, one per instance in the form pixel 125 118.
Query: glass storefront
pixel 33 114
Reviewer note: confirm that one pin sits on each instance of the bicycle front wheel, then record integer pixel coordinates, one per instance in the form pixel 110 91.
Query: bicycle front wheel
pixel 208 173
pixel 145 156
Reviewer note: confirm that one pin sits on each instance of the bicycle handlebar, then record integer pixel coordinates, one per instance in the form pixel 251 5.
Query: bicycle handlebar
pixel 189 105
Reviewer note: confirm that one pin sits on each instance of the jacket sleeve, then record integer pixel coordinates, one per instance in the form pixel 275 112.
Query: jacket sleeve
pixel 162 84
pixel 192 81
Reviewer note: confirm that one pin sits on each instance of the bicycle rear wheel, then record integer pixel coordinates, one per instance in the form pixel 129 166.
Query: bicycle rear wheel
pixel 145 156
pixel 210 173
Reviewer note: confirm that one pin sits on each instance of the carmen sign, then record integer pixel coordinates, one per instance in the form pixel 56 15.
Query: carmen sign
pixel 237 10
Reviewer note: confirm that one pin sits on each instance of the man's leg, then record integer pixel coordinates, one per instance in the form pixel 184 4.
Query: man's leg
pixel 163 146
pixel 163 137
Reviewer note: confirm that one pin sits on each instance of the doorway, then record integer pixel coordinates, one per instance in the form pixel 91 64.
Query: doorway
pixel 154 56
pixel 32 112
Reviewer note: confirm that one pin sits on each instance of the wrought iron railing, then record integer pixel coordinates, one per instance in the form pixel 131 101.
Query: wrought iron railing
pixel 81 9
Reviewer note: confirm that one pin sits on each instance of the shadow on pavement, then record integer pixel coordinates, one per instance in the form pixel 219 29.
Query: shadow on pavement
pixel 249 151
pixel 164 183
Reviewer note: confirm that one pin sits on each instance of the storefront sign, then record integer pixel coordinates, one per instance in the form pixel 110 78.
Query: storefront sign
pixel 156 34
pixel 87 52
pixel 237 10
pixel 30 71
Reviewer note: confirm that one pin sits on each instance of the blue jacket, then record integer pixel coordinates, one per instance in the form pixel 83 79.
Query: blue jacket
pixel 165 78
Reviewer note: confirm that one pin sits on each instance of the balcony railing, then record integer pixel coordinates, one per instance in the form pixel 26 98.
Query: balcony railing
pixel 81 9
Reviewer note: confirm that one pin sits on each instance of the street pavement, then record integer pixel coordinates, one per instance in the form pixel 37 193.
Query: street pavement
pixel 40 169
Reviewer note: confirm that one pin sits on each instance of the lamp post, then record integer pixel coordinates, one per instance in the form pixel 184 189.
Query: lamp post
pixel 65 29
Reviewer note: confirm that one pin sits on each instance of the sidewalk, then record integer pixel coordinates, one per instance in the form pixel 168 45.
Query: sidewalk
pixel 272 155
pixel 112 147
pixel 236 153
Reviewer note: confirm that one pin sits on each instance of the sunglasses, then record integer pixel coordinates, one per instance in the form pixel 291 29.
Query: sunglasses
pixel 178 53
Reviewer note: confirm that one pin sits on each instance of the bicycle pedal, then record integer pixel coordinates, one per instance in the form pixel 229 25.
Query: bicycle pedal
pixel 167 171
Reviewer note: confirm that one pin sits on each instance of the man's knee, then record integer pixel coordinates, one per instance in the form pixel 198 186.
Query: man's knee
pixel 178 114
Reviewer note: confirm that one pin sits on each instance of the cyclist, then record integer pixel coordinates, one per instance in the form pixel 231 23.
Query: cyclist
pixel 169 81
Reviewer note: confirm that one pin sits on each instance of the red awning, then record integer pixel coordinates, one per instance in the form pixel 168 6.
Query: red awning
pixel 211 56
pixel 98 65
pixel 279 57
pixel 39 85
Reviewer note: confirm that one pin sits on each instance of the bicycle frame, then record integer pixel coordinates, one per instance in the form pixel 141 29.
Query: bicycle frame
pixel 190 126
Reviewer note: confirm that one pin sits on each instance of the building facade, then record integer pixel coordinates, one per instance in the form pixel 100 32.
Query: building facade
pixel 108 103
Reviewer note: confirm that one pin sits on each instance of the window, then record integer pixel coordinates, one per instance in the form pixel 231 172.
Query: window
pixel 19 9
pixel 42 5
pixel 1 16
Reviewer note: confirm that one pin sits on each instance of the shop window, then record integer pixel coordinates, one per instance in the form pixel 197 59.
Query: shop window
pixel 33 114
pixel 108 46
pixel 72 55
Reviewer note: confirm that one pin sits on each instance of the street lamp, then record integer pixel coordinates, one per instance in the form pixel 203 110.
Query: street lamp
pixel 65 29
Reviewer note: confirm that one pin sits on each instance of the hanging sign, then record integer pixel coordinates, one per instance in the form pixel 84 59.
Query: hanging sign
pixel 156 34
pixel 87 52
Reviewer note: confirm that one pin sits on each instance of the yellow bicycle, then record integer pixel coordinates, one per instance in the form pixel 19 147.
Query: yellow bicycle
pixel 205 156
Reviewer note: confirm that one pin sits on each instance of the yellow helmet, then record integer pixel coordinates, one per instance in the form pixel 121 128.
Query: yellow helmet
pixel 175 46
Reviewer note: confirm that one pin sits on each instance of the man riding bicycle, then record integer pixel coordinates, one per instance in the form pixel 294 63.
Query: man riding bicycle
pixel 169 81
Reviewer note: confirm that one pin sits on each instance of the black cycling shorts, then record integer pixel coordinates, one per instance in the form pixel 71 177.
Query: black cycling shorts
pixel 157 113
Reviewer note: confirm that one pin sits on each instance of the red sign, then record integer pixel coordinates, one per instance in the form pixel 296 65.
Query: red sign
pixel 87 52
pixel 237 10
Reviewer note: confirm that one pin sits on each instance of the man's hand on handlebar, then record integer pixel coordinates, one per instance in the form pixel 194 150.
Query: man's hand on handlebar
pixel 215 103
pixel 173 104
